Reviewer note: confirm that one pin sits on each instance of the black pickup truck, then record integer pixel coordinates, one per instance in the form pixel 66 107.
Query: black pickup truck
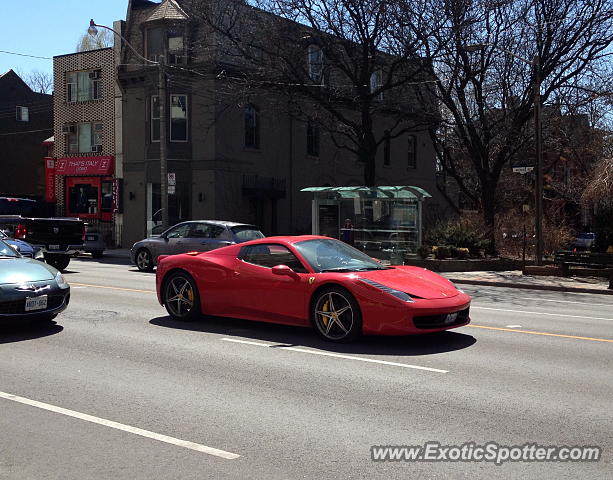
pixel 58 238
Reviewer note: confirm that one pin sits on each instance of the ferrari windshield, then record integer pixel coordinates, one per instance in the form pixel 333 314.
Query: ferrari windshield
pixel 7 251
pixel 330 255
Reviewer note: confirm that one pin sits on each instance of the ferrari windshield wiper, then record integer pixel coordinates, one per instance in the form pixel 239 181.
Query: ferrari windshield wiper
pixel 354 269
pixel 365 269
pixel 339 269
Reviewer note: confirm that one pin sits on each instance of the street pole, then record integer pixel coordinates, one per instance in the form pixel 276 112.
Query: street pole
pixel 163 144
pixel 539 162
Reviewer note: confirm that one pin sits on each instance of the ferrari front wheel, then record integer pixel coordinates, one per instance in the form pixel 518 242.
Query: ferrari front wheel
pixel 181 297
pixel 336 315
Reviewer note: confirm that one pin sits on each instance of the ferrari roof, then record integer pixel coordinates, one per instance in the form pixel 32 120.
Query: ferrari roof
pixel 396 191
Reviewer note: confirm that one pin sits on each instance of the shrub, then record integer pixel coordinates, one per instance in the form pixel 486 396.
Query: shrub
pixel 465 232
pixel 440 252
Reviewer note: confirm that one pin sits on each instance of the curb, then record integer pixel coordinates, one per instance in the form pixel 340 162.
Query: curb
pixel 555 288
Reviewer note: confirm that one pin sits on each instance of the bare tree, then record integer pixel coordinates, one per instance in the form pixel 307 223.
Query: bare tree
pixel 38 81
pixel 102 39
pixel 488 94
pixel 345 65
pixel 600 185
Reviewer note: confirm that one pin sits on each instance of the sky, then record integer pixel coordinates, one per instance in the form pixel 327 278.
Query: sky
pixel 45 28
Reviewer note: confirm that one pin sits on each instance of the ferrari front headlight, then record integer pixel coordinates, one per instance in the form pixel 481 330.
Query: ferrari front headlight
pixel 405 297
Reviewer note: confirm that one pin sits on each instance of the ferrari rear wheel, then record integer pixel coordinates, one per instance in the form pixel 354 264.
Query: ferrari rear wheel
pixel 181 297
pixel 336 315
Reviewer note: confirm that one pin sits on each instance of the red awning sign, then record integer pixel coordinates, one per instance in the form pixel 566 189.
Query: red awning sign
pixel 84 166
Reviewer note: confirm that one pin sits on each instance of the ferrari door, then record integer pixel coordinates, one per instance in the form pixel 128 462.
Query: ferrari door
pixel 264 295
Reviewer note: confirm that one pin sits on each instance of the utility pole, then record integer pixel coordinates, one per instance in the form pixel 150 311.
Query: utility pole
pixel 163 144
pixel 92 30
pixel 539 162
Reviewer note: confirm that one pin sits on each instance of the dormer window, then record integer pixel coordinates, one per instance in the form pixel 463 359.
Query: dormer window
pixel 176 46
pixel 155 43
pixel 171 41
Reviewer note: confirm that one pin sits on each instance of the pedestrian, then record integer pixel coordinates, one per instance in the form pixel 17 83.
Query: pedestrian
pixel 347 232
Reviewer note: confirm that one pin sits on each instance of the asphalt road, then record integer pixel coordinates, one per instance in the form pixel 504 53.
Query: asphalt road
pixel 115 389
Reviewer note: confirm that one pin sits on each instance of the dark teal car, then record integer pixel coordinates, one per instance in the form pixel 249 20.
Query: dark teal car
pixel 30 289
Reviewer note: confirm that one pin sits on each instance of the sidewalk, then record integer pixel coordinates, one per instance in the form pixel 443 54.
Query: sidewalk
pixel 509 279
pixel 515 279
pixel 117 253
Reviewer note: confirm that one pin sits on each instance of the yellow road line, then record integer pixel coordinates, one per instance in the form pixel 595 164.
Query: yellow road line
pixel 532 332
pixel 112 288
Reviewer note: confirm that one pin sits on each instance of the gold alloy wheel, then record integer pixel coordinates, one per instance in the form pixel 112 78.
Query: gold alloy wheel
pixel 179 296
pixel 334 316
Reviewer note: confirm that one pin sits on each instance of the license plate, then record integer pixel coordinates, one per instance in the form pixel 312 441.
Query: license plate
pixel 36 303
pixel 91 238
pixel 54 247
pixel 451 317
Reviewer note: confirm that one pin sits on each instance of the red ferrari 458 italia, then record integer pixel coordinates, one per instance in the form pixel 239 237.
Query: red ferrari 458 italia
pixel 309 280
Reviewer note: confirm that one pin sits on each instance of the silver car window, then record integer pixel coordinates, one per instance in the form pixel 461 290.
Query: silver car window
pixel 200 230
pixel 179 231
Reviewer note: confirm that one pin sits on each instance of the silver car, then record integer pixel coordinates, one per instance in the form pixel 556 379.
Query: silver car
pixel 192 236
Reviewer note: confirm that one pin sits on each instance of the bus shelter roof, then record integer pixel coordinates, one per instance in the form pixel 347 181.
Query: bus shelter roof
pixel 392 192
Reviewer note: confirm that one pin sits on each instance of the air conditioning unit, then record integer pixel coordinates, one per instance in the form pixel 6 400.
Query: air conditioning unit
pixel 69 128
pixel 96 148
pixel 95 75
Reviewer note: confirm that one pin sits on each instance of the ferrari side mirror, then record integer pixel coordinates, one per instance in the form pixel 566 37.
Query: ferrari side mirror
pixel 283 270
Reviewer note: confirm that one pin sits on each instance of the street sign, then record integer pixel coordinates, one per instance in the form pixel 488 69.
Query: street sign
pixel 522 170
pixel 172 189
pixel 172 179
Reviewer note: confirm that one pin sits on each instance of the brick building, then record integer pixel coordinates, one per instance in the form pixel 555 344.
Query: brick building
pixel 86 166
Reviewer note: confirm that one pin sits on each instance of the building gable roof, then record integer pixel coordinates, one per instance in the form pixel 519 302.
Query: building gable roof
pixel 14 89
pixel 168 10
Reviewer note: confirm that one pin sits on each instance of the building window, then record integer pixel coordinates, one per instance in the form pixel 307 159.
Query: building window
pixel 252 127
pixel 176 46
pixel 312 139
pixel 411 152
pixel 170 41
pixel 315 63
pixel 155 43
pixel 83 137
pixel 155 118
pixel 22 114
pixel 386 149
pixel 376 82
pixel 83 86
pixel 178 118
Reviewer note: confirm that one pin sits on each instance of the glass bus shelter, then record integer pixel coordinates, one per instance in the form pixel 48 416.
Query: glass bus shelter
pixel 384 222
